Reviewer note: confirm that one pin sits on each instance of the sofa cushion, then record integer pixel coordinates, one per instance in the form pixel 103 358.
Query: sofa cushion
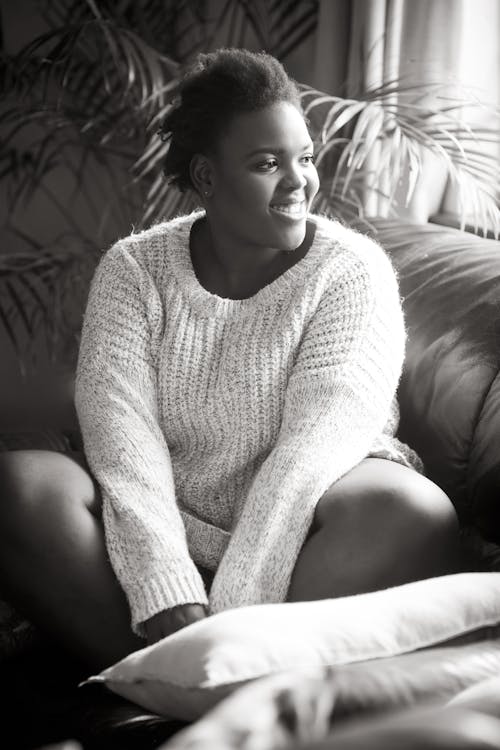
pixel 35 439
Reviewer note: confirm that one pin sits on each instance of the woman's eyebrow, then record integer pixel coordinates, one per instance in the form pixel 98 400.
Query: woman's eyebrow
pixel 275 150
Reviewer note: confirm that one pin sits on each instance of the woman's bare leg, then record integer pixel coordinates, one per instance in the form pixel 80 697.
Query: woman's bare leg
pixel 53 561
pixel 380 525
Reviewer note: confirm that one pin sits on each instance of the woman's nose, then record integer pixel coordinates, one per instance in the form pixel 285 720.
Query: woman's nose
pixel 295 178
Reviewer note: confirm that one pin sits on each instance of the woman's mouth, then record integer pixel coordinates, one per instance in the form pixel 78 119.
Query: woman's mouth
pixel 295 210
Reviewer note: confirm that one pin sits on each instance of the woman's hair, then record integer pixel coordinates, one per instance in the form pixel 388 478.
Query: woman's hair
pixel 215 88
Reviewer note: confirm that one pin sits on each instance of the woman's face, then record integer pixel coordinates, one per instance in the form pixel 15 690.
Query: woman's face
pixel 264 179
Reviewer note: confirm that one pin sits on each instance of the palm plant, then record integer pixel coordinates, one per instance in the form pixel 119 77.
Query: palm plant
pixel 81 107
pixel 398 122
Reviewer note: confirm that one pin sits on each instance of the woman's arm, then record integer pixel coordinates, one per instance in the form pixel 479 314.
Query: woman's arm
pixel 117 405
pixel 337 401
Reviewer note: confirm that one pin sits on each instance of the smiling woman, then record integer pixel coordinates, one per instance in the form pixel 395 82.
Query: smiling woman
pixel 236 395
pixel 258 186
pixel 238 137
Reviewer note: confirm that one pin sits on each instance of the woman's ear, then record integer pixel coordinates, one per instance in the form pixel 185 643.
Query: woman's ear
pixel 201 173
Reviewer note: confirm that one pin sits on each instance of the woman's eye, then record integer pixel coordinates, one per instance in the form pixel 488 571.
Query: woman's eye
pixel 266 165
pixel 270 164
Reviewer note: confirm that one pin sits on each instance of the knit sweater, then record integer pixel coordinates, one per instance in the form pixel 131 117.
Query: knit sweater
pixel 213 426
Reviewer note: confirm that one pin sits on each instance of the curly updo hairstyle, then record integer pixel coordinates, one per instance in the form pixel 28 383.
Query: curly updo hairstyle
pixel 213 89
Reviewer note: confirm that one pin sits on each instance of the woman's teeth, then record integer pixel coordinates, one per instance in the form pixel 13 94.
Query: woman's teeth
pixel 292 209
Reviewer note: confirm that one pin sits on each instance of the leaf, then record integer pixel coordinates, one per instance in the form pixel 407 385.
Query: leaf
pixel 155 152
pixel 30 286
pixel 18 305
pixel 292 22
pixel 339 170
pixel 317 99
pixel 334 121
pixel 9 330
pixel 367 131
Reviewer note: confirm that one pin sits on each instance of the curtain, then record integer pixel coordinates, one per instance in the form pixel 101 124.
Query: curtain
pixel 360 44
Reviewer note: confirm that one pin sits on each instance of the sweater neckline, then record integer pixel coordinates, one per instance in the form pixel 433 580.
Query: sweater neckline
pixel 212 304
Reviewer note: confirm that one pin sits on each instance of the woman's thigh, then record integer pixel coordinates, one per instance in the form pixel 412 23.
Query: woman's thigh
pixel 34 476
pixel 93 496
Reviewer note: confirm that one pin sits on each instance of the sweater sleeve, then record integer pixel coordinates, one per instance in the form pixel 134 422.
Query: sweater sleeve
pixel 337 401
pixel 117 406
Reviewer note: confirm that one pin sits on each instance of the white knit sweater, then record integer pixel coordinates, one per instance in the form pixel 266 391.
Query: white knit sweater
pixel 213 426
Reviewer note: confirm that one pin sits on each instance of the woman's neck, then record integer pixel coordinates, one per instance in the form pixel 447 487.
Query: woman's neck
pixel 240 273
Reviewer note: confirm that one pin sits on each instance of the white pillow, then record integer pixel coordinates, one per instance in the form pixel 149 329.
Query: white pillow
pixel 308 708
pixel 483 696
pixel 184 675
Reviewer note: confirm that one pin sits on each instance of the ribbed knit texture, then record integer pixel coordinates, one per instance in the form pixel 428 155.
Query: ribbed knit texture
pixel 213 426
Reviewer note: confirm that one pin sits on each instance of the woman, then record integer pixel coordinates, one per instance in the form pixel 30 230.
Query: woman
pixel 235 390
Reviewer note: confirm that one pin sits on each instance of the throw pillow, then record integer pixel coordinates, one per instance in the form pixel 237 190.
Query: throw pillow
pixel 308 706
pixel 185 674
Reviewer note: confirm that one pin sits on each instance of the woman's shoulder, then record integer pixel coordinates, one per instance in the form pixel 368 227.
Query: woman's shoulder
pixel 334 232
pixel 151 247
pixel 350 249
pixel 158 237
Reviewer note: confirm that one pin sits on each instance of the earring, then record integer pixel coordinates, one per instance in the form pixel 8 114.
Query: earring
pixel 206 193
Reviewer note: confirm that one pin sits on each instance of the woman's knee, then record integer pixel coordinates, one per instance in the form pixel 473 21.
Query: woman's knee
pixel 423 513
pixel 392 499
pixel 33 480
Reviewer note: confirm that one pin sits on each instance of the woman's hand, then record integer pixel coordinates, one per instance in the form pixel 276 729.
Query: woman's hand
pixel 168 621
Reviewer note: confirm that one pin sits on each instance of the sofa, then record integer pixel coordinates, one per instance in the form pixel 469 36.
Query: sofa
pixel 450 391
pixel 450 284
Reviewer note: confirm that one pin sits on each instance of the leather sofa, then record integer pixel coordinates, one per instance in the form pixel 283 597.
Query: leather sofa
pixel 450 391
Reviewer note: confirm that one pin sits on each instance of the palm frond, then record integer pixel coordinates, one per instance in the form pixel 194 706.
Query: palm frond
pixel 256 14
pixel 104 68
pixel 402 129
pixel 292 21
pixel 57 13
pixel 39 286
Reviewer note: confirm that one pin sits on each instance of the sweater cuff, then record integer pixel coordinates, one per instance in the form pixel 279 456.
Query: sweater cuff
pixel 160 593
